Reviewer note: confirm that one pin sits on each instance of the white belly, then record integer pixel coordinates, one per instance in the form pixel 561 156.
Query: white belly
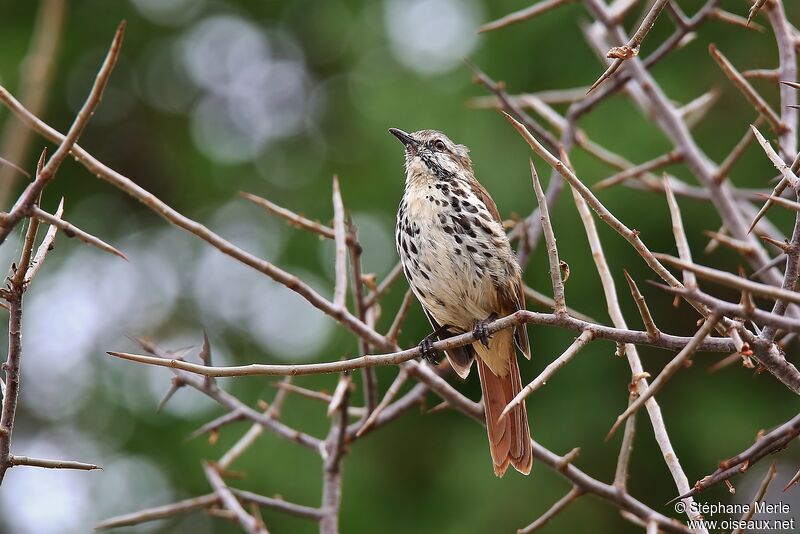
pixel 454 260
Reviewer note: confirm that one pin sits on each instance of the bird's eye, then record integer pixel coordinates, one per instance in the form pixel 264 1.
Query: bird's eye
pixel 439 145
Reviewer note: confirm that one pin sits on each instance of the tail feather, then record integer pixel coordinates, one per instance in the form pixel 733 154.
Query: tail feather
pixel 509 437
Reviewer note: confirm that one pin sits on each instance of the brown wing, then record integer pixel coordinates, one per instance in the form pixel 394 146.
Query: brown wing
pixel 521 331
pixel 514 301
pixel 483 194
pixel 460 358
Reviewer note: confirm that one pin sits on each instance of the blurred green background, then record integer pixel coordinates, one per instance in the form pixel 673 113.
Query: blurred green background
pixel 212 97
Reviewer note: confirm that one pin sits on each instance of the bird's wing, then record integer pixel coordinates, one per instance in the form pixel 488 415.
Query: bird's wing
pixel 460 358
pixel 484 196
pixel 515 300
pixel 521 330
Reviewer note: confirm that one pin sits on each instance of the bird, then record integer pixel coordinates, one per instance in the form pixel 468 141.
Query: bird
pixel 460 266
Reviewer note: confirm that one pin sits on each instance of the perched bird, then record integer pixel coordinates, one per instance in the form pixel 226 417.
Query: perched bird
pixel 459 264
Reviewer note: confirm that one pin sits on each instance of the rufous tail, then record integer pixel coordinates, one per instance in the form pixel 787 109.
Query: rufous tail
pixel 509 437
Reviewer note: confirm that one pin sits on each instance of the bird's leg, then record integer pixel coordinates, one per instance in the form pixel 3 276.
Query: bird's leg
pixel 481 330
pixel 426 345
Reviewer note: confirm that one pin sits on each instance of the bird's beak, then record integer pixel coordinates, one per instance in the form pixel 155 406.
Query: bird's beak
pixel 404 138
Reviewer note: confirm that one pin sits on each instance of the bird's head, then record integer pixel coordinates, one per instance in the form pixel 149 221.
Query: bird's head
pixel 432 156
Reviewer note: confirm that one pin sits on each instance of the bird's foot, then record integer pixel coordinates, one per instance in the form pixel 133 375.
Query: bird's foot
pixel 481 330
pixel 427 350
pixel 426 345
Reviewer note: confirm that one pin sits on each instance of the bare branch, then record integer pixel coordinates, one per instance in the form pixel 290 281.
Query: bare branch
pixel 397 323
pixel 35 81
pixel 730 160
pixel 391 393
pixel 785 170
pixel 768 443
pixel 25 202
pixel 679 233
pixel 779 188
pixel 384 286
pixel 340 232
pixel 552 250
pixel 621 335
pixel 574 494
pixel 70 230
pixel 732 280
pixel 747 90
pixel 662 161
pixel 754 9
pixel 762 490
pixel 543 300
pixel 44 247
pixel 631 48
pixel 735 20
pixel 14 295
pixel 230 501
pixel 580 342
pixel 669 370
pixel 523 14
pixel 52 464
pixel 644 311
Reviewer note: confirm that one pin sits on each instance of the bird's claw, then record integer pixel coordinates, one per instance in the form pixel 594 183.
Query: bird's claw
pixel 427 350
pixel 481 332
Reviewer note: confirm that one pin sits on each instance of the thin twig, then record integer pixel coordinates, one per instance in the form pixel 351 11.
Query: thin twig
pixel 523 14
pixel 644 311
pixel 230 501
pixel 36 77
pixel 52 464
pixel 762 490
pixel 662 161
pixel 552 250
pixel 631 48
pixel 581 341
pixel 70 230
pixel 669 370
pixel 747 90
pixel 765 444
pixel 25 202
pixel 574 494
pixel 45 247
pixel 340 232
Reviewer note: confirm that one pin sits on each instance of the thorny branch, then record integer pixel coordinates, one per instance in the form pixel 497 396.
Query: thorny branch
pixel 756 338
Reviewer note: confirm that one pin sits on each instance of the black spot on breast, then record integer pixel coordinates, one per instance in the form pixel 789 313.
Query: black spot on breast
pixel 424 274
pixel 457 251
pixel 472 249
pixel 465 224
pixel 414 248
pixel 487 254
pixel 469 207
pixel 458 239
pixel 447 229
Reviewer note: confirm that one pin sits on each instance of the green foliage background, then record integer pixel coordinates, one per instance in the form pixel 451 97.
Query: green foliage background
pixel 424 473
